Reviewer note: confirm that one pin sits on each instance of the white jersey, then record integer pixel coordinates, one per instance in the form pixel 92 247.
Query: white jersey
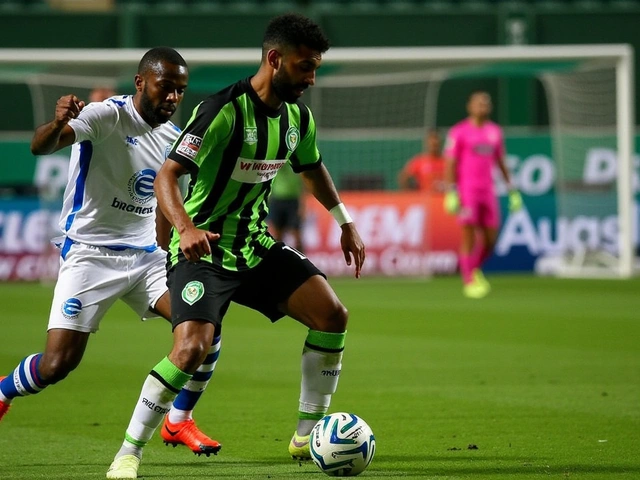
pixel 109 199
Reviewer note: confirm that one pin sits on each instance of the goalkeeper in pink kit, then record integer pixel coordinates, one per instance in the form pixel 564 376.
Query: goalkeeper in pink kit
pixel 473 147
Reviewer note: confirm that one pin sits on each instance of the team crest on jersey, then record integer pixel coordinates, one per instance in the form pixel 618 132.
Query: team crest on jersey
pixel 192 292
pixel 141 185
pixel 292 138
pixel 250 135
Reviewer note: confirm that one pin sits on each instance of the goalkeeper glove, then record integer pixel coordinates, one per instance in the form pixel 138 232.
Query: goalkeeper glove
pixel 451 202
pixel 515 201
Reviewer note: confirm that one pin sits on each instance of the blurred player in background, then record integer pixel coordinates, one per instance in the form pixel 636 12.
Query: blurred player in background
pixel 99 94
pixel 473 147
pixel 286 206
pixel 220 248
pixel 112 237
pixel 425 171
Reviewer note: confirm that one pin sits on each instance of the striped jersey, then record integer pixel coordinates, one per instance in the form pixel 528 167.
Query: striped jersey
pixel 109 199
pixel 233 146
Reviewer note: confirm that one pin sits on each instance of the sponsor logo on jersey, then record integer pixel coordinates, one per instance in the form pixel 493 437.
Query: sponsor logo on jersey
pixel 189 146
pixel 132 141
pixel 256 171
pixel 71 308
pixel 128 207
pixel 483 149
pixel 141 185
pixel 292 138
pixel 250 135
pixel 192 292
pixel 167 150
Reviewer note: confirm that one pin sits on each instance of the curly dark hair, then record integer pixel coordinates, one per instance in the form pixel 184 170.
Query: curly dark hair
pixel 294 30
pixel 157 55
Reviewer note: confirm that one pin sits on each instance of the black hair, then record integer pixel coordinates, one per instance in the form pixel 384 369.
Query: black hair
pixel 478 92
pixel 154 57
pixel 294 30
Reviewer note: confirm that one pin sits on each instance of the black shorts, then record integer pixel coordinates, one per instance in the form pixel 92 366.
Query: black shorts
pixel 203 291
pixel 284 213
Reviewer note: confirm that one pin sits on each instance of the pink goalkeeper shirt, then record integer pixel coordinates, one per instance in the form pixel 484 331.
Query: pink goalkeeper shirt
pixel 475 150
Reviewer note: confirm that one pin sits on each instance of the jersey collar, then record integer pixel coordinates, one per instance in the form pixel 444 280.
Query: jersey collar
pixel 260 105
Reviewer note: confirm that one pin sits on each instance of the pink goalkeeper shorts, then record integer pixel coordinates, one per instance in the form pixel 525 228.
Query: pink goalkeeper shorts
pixel 479 209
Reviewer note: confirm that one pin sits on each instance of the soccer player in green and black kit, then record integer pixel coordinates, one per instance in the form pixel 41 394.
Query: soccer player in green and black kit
pixel 221 251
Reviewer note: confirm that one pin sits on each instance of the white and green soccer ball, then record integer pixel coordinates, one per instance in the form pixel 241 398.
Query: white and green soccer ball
pixel 342 445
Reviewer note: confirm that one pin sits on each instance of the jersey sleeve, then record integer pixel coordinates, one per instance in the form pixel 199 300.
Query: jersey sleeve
pixel 452 145
pixel 95 122
pixel 208 127
pixel 306 156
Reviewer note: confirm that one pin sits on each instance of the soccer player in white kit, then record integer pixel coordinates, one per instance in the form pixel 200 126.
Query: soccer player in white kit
pixel 111 248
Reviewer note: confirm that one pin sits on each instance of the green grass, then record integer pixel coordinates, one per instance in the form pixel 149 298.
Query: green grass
pixel 543 376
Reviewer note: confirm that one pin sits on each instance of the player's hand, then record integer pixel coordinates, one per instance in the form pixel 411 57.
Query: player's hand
pixel 451 202
pixel 68 108
pixel 196 243
pixel 352 247
pixel 515 201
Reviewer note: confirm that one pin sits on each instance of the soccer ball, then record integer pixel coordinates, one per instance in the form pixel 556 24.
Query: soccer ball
pixel 342 445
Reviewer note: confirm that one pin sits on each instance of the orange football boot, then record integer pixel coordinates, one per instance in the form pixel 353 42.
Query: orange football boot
pixel 188 434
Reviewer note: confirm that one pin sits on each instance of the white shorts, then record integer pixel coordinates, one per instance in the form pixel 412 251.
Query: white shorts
pixel 91 279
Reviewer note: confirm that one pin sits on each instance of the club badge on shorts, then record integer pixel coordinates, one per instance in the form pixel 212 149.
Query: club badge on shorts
pixel 192 292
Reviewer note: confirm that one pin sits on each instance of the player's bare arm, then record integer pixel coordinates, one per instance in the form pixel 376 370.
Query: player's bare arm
pixel 319 183
pixel 163 230
pixel 404 179
pixel 504 171
pixel 194 242
pixel 450 172
pixel 57 133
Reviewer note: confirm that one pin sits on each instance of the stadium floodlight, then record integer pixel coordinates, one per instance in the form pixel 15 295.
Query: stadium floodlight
pixel 372 106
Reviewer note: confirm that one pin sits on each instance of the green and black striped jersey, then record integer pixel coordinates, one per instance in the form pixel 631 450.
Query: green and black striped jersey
pixel 233 146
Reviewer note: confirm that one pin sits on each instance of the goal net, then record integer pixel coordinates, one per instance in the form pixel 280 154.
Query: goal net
pixel 373 105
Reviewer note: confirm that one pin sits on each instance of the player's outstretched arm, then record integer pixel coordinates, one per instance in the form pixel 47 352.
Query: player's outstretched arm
pixel 319 183
pixel 57 134
pixel 194 243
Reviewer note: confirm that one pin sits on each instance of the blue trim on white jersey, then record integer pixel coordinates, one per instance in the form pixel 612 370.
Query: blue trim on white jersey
pixel 86 152
pixel 66 246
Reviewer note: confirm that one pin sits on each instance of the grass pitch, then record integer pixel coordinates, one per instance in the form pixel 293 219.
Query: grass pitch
pixel 541 380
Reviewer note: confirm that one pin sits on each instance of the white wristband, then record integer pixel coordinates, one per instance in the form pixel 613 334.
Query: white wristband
pixel 339 212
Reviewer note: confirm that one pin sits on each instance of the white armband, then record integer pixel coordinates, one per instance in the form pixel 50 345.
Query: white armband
pixel 339 212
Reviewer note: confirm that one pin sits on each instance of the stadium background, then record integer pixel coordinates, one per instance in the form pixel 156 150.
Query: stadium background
pixel 520 101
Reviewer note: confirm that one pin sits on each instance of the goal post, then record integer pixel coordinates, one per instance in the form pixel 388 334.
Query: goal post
pixel 353 82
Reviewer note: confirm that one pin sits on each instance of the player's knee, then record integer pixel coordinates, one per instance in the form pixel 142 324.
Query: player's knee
pixel 335 319
pixel 190 355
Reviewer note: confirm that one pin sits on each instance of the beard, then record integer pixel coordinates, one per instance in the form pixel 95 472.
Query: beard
pixel 153 113
pixel 284 89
